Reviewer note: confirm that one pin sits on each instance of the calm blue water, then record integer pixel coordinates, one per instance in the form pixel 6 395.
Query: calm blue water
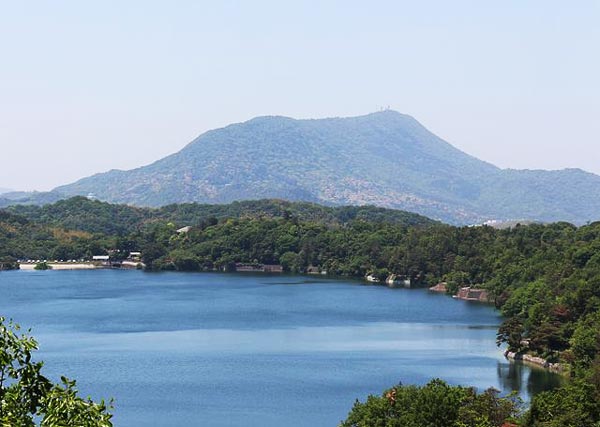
pixel 207 349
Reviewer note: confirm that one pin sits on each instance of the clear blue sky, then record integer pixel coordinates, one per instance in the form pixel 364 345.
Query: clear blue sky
pixel 86 86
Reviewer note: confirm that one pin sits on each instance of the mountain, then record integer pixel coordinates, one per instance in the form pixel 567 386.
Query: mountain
pixel 386 159
pixel 5 190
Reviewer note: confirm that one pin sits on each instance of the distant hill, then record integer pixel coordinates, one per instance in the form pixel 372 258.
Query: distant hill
pixel 21 238
pixel 5 190
pixel 93 216
pixel 29 198
pixel 385 159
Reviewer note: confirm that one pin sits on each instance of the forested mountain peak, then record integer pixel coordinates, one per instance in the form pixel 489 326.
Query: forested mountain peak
pixel 385 159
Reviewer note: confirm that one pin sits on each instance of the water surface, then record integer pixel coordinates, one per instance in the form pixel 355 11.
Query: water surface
pixel 251 350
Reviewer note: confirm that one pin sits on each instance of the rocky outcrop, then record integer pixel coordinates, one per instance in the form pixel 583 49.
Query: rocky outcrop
pixel 534 360
pixel 441 287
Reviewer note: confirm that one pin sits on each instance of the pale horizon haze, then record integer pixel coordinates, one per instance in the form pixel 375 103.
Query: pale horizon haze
pixel 90 86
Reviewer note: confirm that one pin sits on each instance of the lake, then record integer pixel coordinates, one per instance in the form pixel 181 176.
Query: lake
pixel 251 350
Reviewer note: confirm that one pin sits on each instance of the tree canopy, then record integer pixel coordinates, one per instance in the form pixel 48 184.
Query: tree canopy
pixel 28 398
pixel 436 404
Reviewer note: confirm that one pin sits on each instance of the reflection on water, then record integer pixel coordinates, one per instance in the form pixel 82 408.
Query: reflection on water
pixel 528 380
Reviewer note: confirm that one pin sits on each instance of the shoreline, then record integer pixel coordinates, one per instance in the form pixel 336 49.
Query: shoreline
pixel 81 265
pixel 540 362
pixel 61 266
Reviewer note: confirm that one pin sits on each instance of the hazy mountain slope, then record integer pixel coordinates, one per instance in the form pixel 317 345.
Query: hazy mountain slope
pixel 29 198
pixel 385 159
pixel 569 195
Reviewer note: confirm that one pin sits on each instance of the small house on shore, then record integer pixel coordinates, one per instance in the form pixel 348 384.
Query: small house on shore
pixel 313 270
pixel 101 260
pixel 273 268
pixel 394 281
pixel 241 267
pixel 258 268
pixel 469 293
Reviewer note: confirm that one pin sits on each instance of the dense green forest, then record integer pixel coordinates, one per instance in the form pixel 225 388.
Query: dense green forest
pixel 545 278
pixel 435 404
pixel 80 213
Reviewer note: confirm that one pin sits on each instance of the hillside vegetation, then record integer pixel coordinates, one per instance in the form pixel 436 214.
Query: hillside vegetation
pixel 545 278
pixel 80 213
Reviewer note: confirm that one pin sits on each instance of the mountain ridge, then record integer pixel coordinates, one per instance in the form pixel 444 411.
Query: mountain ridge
pixel 93 216
pixel 385 158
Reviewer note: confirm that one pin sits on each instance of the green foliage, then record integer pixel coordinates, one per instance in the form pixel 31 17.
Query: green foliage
pixel 21 238
pixel 42 266
pixel 93 216
pixel 511 333
pixel 436 404
pixel 62 406
pixel 576 404
pixel 585 342
pixel 80 213
pixel 8 263
pixel 28 398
